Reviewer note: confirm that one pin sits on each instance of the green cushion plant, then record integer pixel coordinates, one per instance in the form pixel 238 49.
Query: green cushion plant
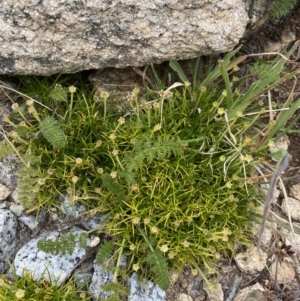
pixel 172 169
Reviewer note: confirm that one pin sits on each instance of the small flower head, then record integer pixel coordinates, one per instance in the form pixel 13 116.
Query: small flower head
pixel 228 184
pixel 177 223
pixel 164 248
pixel 135 267
pixel 50 171
pixel 203 89
pixel 74 179
pixel 134 187
pixel 155 106
pixel 104 94
pixel 171 255
pixel 98 143
pixel 121 120
pixel 222 158
pixel 235 69
pixel 85 196
pixel 221 111
pixel 30 102
pixel 146 221
pixel 154 230
pixel 78 160
pixel 98 190
pixel 215 104
pixel 112 136
pixel 235 79
pixel 186 244
pixel 162 94
pixel 239 114
pixel 136 220
pixel 224 93
pixel 30 110
pixel 82 296
pixel 132 247
pixel 113 174
pixel 271 143
pixel 157 128
pixel 72 89
pixel 100 170
pixel 20 294
pixel 115 152
pixel 15 106
pixel 1 281
pixel 41 181
pixel 169 94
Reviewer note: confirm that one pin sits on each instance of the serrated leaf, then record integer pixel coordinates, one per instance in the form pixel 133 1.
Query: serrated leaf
pixel 52 132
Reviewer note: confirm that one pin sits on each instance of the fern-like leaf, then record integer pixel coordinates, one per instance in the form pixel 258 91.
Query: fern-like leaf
pixel 159 267
pixel 129 177
pixel 5 150
pixel 117 291
pixel 62 245
pixel 150 150
pixel 52 132
pixel 112 185
pixel 104 252
pixel 282 8
pixel 27 185
pixel 59 94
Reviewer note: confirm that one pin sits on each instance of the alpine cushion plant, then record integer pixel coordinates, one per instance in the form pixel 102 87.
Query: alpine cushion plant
pixel 170 170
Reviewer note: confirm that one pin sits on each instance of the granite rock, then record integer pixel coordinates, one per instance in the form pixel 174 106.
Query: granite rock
pixel 45 37
pixel 8 229
pixel 44 265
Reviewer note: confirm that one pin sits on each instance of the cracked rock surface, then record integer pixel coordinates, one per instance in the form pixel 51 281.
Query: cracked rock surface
pixel 47 37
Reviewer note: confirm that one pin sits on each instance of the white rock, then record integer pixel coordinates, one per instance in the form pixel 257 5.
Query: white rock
pixel 4 192
pixel 251 261
pixel 184 297
pixel 68 36
pixel 291 206
pixel 8 230
pixel 295 191
pixel 214 291
pixel 54 268
pixel 285 273
pixel 281 144
pixel 251 293
pixel 144 292
pixel 292 239
pixel 17 209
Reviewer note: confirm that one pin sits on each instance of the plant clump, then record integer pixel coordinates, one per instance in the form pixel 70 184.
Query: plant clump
pixel 171 169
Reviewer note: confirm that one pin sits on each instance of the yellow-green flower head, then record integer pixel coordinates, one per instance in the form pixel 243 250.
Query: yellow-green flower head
pixel 20 294
pixel 164 248
pixel 72 89
pixel 121 120
pixel 221 111
pixel 15 106
pixel 30 102
pixel 104 94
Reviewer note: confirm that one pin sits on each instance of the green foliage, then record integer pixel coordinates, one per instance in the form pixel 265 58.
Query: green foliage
pixel 26 288
pixel 52 132
pixel 65 244
pixel 117 290
pixel 159 267
pixel 172 170
pixel 149 149
pixel 112 185
pixel 281 8
pixel 105 251
pixel 28 186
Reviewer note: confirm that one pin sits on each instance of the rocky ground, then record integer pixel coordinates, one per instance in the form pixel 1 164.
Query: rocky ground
pixel 273 273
